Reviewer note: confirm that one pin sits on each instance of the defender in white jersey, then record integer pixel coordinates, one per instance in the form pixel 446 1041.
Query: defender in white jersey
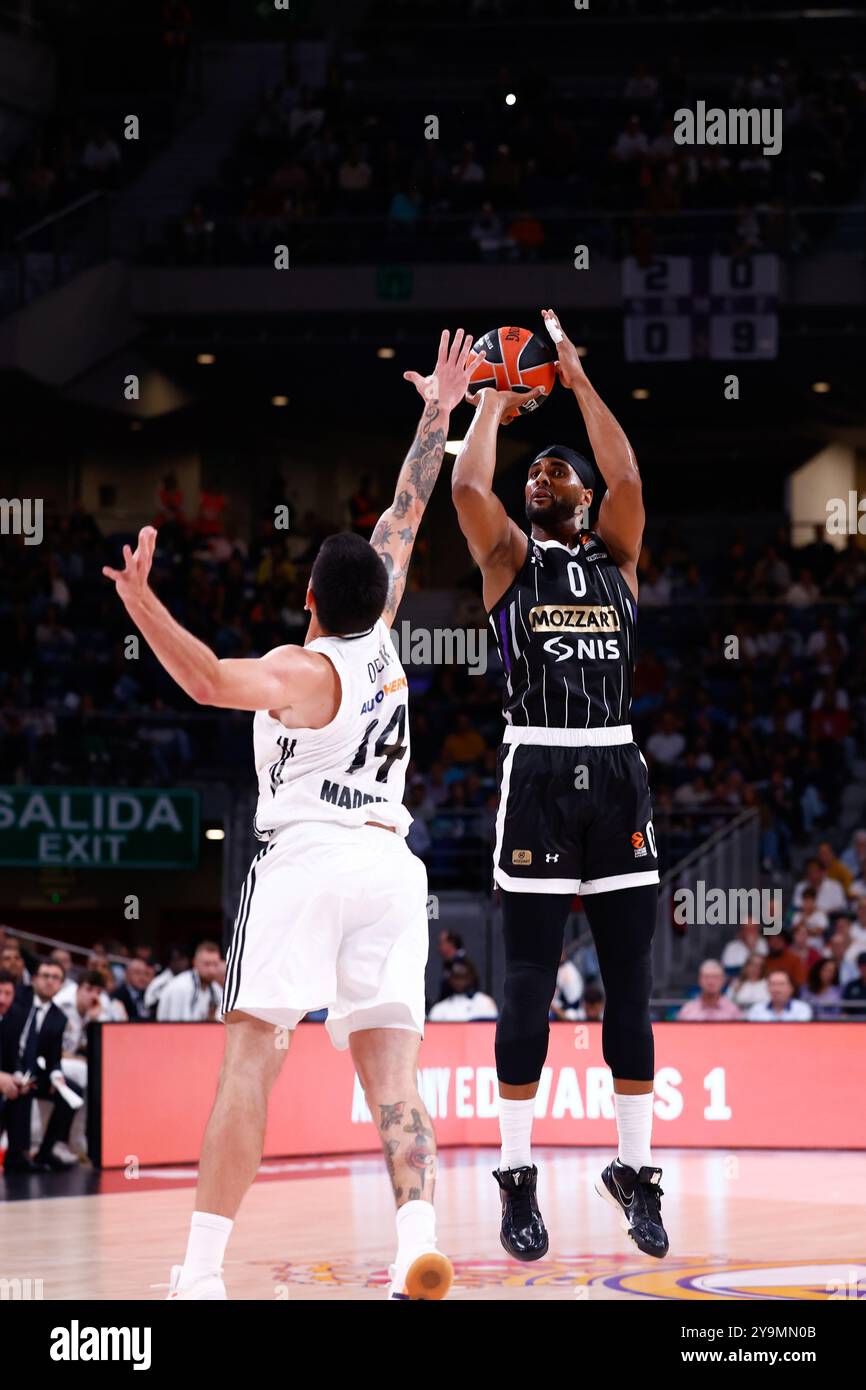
pixel 333 912
pixel 330 919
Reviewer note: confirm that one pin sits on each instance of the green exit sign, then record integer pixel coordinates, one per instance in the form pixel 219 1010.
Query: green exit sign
pixel 99 827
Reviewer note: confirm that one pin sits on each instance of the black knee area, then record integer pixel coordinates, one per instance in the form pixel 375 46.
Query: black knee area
pixel 532 926
pixel 522 1029
pixel 622 925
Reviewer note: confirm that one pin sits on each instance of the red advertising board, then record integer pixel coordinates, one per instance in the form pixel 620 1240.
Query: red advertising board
pixel 718 1085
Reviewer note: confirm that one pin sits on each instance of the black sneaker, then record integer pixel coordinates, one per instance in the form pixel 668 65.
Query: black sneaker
pixel 637 1196
pixel 523 1232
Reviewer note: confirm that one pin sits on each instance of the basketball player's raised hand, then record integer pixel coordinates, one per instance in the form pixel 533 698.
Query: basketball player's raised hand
pixel 131 581
pixel 506 403
pixel 449 380
pixel 570 366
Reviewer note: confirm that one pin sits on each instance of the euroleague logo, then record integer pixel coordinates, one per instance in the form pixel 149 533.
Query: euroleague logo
pixel 643 842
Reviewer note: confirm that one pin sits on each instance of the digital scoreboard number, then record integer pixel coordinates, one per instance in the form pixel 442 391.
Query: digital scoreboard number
pixel 685 308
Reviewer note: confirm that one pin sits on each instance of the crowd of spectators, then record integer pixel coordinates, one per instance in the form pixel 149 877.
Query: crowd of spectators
pixel 749 686
pixel 807 963
pixel 49 173
pixel 509 186
pixel 812 967
pixel 46 1004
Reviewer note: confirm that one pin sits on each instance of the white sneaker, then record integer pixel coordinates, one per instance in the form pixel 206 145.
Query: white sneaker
pixel 209 1286
pixel 65 1154
pixel 428 1275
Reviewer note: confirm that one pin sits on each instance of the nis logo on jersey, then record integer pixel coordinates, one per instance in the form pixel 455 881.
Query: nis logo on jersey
pixel 595 618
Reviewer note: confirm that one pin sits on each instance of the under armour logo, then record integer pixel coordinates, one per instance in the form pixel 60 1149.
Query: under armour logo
pixel 551 858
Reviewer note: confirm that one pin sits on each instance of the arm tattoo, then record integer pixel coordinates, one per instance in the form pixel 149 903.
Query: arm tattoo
pixel 414 486
pixel 396 580
pixel 425 456
pixel 390 1115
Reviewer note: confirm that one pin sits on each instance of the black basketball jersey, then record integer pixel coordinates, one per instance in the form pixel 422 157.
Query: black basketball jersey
pixel 565 630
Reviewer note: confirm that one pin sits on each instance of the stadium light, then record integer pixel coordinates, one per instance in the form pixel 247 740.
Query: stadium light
pixel 511 99
pixel 205 359
pixel 640 393
pixel 215 833
pixel 279 400
pixel 385 352
pixel 820 387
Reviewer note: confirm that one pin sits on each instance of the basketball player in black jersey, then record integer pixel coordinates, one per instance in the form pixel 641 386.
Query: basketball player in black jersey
pixel 574 804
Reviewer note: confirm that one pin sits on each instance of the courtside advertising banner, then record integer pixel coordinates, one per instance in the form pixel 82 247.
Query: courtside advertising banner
pixel 717 1086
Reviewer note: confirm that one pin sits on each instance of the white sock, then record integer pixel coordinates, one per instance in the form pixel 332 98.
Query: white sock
pixel 208 1237
pixel 634 1123
pixel 416 1230
pixel 515 1128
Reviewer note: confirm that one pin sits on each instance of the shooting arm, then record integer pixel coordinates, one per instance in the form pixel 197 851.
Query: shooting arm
pixel 490 533
pixel 621 517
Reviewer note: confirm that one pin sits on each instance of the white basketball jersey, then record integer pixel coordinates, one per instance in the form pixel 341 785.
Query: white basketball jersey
pixel 354 769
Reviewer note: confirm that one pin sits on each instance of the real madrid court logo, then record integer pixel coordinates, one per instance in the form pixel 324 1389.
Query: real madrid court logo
pixel 687 1278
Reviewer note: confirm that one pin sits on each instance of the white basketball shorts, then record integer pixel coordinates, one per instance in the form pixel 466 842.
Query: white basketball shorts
pixel 332 917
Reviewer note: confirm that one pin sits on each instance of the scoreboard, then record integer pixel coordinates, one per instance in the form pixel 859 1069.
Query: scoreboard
pixel 684 308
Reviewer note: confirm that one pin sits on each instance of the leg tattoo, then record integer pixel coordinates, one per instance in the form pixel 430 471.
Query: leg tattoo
pixel 411 1158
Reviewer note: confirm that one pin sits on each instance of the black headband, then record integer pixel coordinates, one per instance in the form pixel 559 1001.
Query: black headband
pixel 582 467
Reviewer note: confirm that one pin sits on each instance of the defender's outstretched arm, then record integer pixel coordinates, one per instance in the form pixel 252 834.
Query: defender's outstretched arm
pixel 396 529
pixel 267 682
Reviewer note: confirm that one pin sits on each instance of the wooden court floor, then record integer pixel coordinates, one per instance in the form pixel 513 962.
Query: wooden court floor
pixel 742 1225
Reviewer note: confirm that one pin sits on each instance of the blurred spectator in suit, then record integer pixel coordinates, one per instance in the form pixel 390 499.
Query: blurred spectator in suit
pixel 38 1042
pixel 131 993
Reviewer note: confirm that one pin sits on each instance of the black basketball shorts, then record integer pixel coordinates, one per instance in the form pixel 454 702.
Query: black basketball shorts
pixel 575 819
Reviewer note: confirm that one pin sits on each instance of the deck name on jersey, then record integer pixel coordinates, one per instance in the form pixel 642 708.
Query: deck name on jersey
pixel 347 797
pixel 595 617
pixel 379 662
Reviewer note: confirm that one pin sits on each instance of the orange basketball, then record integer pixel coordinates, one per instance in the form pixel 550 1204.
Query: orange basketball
pixel 516 360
